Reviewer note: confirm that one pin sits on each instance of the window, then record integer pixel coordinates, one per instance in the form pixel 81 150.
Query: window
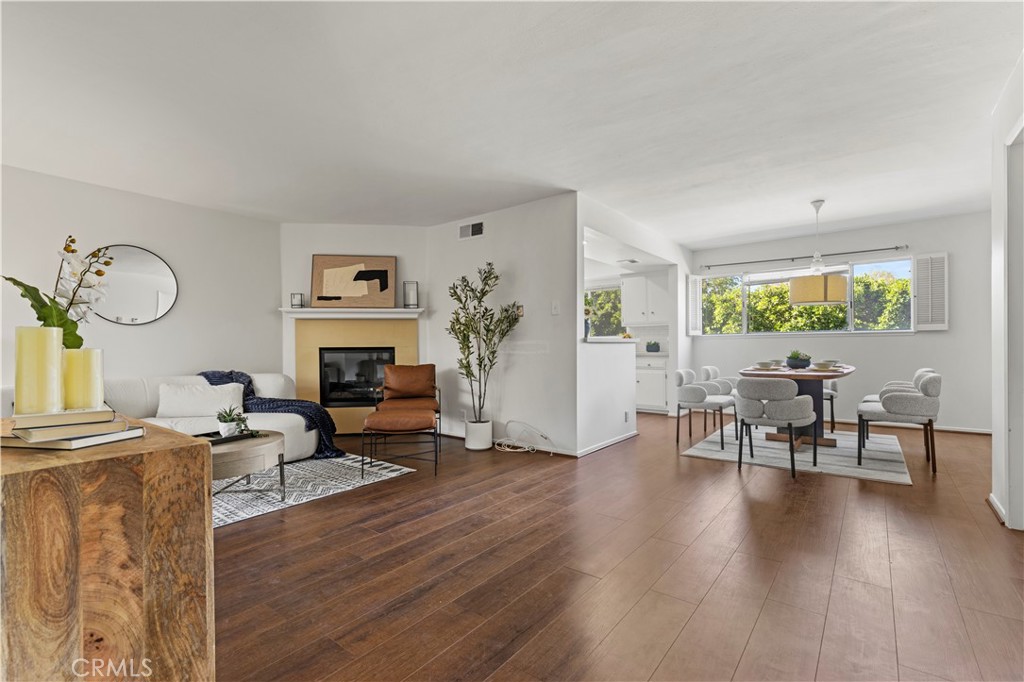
pixel 605 311
pixel 881 296
pixel 722 305
pixel 759 303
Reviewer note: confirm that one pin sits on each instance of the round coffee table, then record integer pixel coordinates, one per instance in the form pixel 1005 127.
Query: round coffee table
pixel 248 456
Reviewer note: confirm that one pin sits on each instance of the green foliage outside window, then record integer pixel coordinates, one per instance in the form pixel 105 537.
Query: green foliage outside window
pixel 605 311
pixel 768 310
pixel 881 301
pixel 722 305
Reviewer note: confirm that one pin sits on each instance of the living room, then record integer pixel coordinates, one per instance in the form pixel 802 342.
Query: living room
pixel 236 141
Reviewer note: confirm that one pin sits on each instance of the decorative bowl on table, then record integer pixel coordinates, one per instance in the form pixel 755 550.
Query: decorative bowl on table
pixel 823 364
pixel 798 363
pixel 765 365
pixel 835 363
pixel 779 363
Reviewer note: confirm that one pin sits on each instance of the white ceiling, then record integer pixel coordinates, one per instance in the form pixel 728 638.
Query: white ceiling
pixel 713 122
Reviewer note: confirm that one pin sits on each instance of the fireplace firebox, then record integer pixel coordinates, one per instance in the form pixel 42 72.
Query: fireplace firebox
pixel 351 377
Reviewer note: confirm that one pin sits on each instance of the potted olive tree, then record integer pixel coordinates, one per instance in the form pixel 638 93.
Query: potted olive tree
pixel 479 330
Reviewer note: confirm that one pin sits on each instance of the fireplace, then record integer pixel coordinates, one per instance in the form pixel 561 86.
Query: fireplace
pixel 351 377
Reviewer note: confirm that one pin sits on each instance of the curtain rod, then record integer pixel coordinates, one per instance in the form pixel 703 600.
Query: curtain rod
pixel 793 259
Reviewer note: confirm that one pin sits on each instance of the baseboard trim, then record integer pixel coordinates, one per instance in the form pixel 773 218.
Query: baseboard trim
pixel 543 449
pixel 897 425
pixel 607 443
pixel 996 508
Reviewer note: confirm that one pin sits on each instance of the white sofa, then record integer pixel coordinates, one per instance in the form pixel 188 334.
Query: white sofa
pixel 139 397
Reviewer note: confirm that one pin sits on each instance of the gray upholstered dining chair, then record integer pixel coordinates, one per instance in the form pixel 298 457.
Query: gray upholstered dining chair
pixel 917 404
pixel 702 395
pixel 918 375
pixel 711 373
pixel 728 387
pixel 774 402
pixel 911 385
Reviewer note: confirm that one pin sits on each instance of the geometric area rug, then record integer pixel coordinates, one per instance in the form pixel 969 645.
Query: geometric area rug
pixel 882 459
pixel 305 480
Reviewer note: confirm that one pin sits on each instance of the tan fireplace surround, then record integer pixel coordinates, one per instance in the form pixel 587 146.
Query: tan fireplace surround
pixel 313 334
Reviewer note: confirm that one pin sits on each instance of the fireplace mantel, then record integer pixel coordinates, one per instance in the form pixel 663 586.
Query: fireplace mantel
pixel 351 313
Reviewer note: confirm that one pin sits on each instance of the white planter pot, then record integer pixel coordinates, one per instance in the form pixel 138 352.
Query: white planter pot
pixel 478 435
pixel 229 429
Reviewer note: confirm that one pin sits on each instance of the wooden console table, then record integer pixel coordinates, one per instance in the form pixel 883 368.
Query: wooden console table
pixel 108 557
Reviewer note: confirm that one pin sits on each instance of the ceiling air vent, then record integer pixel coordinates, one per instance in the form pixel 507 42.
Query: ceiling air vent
pixel 470 231
pixel 629 261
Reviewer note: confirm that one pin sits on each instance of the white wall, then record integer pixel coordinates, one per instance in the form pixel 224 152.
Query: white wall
pixel 962 354
pixel 533 247
pixel 606 395
pixel 1007 254
pixel 227 268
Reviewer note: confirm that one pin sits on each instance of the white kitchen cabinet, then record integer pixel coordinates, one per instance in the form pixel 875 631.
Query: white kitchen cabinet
pixel 646 300
pixel 634 301
pixel 651 377
pixel 650 389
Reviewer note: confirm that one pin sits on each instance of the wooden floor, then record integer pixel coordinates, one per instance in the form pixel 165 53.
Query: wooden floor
pixel 630 564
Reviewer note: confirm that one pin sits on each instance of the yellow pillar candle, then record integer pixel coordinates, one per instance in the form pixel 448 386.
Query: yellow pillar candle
pixel 37 370
pixel 83 378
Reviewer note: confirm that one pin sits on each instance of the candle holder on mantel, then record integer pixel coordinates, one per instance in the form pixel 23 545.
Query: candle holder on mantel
pixel 37 370
pixel 411 294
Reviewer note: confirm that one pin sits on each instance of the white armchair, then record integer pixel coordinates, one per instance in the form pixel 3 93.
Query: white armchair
pixel 917 404
pixel 711 396
pixel 773 402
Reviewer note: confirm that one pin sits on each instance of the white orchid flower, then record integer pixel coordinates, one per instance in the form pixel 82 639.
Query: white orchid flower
pixel 80 313
pixel 89 295
pixel 74 262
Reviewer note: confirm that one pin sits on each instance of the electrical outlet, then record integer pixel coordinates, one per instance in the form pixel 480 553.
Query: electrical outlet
pixel 520 311
pixel 556 308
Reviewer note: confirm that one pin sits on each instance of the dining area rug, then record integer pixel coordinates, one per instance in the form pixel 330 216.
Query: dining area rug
pixel 882 458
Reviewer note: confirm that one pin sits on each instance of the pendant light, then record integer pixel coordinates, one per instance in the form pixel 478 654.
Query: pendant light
pixel 818 288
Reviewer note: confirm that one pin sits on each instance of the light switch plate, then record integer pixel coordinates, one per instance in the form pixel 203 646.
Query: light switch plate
pixel 556 308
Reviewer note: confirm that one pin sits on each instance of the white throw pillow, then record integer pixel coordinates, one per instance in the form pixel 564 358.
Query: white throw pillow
pixel 197 400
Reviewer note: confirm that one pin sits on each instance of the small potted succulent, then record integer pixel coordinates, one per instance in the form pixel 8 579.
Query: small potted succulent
pixel 653 347
pixel 233 422
pixel 798 360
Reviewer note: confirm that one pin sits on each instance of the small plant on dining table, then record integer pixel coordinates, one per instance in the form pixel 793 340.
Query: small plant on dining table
pixel 798 360
pixel 232 415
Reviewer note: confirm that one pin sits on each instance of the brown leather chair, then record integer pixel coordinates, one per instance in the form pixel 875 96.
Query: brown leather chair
pixel 409 404
pixel 410 387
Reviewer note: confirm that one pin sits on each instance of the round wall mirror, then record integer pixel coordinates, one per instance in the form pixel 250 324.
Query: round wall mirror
pixel 141 287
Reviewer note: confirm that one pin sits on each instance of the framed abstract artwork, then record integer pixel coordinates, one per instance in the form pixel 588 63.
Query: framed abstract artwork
pixel 353 281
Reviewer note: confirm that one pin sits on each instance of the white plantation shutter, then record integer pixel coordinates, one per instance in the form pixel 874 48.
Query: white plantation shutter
pixel 931 292
pixel 695 326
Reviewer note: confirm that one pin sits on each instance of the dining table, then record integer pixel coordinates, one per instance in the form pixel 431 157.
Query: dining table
pixel 809 381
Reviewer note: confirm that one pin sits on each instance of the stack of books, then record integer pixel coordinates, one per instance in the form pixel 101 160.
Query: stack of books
pixel 67 430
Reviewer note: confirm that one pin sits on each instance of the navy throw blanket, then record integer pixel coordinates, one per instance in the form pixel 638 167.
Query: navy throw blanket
pixel 315 415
